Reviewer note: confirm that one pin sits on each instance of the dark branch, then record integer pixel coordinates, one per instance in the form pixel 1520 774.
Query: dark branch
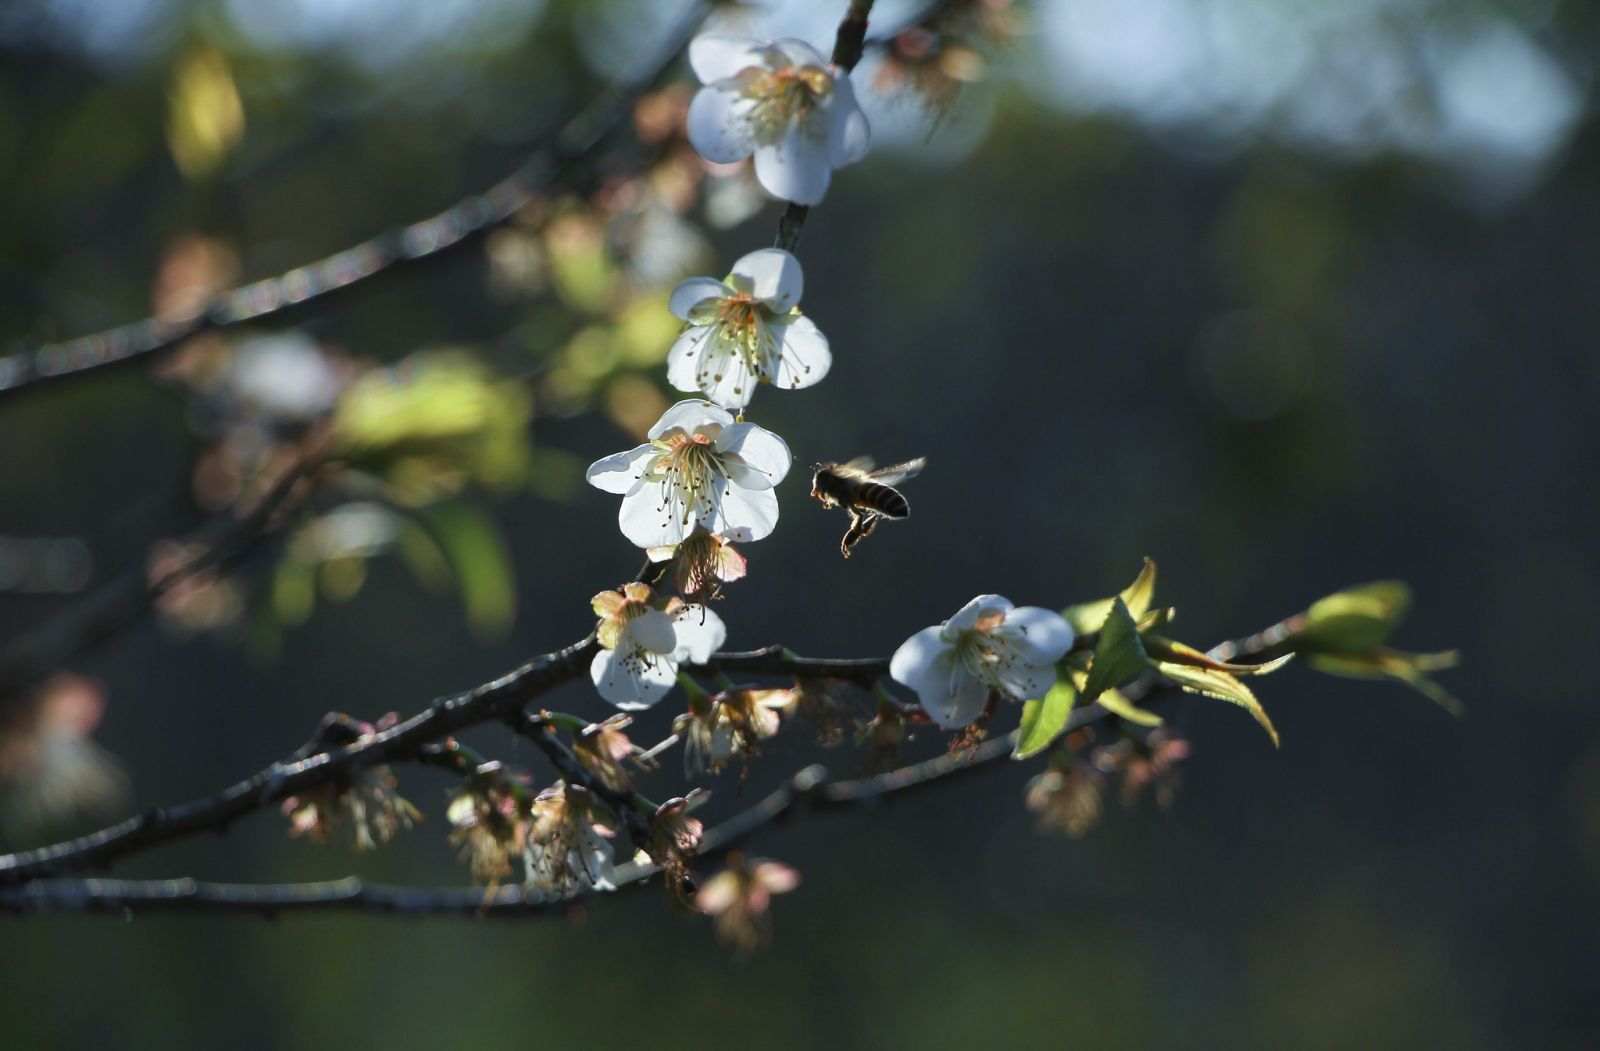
pixel 282 779
pixel 122 601
pixel 557 158
pixel 808 792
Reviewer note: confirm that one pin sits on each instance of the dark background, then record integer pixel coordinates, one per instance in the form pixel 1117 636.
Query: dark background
pixel 1277 365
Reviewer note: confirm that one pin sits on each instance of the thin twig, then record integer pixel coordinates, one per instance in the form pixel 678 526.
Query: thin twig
pixel 122 601
pixel 557 157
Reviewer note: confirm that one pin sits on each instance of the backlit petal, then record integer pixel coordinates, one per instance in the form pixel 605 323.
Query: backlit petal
pixel 745 514
pixel 646 523
pixel 693 291
pixel 756 448
pixel 796 168
pixel 652 630
pixel 700 634
pixel 714 57
pixel 690 415
pixel 805 358
pixel 719 125
pixel 849 135
pixel 967 617
pixel 770 274
pixel 1040 636
pixel 618 472
pixel 631 684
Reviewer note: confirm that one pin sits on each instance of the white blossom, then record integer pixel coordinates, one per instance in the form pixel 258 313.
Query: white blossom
pixel 781 101
pixel 746 330
pixel 642 646
pixel 699 468
pixel 990 646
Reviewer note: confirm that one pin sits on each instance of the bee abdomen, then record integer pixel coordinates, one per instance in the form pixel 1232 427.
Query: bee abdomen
pixel 884 499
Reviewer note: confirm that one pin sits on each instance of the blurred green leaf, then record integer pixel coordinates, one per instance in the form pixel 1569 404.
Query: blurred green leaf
pixel 1408 668
pixel 477 552
pixel 294 593
pixel 1118 654
pixel 1355 619
pixel 205 117
pixel 1044 719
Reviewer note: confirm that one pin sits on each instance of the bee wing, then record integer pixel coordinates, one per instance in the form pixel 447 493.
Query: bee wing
pixel 898 472
pixel 858 465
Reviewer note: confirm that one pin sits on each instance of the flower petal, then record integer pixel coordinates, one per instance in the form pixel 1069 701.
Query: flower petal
pixel 631 684
pixel 683 360
pixel 646 522
pixel 1040 636
pixel 796 167
pixel 723 373
pixel 719 125
pixel 756 448
pixel 745 514
pixel 1027 682
pixel 805 358
pixel 798 52
pixel 714 57
pixel 916 655
pixel 619 472
pixel 849 134
pixel 947 691
pixel 967 617
pixel 652 630
pixel 693 291
pixel 690 415
pixel 772 275
pixel 700 634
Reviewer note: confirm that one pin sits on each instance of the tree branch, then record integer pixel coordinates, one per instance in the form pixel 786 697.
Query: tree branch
pixel 553 160
pixel 807 793
pixel 114 605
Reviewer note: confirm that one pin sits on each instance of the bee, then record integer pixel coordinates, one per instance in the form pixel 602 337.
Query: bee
pixel 869 495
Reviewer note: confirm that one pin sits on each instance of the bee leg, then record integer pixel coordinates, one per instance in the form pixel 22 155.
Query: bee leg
pixel 862 523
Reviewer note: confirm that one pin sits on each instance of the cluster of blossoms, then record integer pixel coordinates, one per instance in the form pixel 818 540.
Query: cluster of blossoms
pixel 368 798
pixel 705 479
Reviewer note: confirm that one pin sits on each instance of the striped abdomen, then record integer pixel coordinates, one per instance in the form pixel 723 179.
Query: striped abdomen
pixel 884 499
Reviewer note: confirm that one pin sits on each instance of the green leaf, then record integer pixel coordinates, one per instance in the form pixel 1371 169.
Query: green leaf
pixel 1221 685
pixel 1118 655
pixel 1086 617
pixel 477 552
pixel 1408 668
pixel 1354 620
pixel 1115 702
pixel 1164 649
pixel 1044 719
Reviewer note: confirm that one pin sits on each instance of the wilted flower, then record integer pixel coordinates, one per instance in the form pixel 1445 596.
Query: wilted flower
pixel 738 897
pixel 642 645
pixel 675 836
pixel 883 735
pixel 367 795
pixel 1067 800
pixel 989 646
pixel 1150 763
pixel 488 814
pixel 50 768
pixel 700 468
pixel 602 748
pixel 728 726
pixel 369 799
pixel 745 331
pixel 701 565
pixel 782 102
pixel 568 848
pixel 826 705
